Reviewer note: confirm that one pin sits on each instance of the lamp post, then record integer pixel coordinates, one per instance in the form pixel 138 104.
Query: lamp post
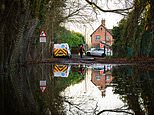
pixel 85 33
pixel 85 37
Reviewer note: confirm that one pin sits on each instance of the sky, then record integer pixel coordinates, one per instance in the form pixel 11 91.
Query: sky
pixel 111 20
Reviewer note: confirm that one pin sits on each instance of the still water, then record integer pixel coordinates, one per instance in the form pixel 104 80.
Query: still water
pixel 77 89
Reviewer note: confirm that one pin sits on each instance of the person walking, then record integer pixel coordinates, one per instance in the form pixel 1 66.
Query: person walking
pixel 81 50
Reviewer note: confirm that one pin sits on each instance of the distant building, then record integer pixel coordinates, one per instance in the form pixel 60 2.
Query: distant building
pixel 101 36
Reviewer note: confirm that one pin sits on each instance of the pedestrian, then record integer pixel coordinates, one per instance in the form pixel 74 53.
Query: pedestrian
pixel 81 50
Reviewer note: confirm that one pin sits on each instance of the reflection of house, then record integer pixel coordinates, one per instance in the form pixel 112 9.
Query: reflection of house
pixel 101 78
pixel 101 35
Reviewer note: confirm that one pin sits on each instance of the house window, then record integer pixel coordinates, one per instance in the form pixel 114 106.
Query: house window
pixel 107 38
pixel 98 78
pixel 107 77
pixel 98 37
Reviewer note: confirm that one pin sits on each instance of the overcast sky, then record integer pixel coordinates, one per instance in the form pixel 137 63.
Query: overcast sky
pixel 112 19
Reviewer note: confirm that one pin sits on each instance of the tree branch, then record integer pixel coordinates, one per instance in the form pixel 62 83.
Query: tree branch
pixel 118 111
pixel 119 11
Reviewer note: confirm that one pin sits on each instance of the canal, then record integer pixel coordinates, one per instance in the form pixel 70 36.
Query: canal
pixel 77 89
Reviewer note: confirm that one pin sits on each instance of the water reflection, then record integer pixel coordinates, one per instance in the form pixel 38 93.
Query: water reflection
pixel 135 84
pixel 102 76
pixel 94 94
pixel 61 70
pixel 43 85
pixel 77 89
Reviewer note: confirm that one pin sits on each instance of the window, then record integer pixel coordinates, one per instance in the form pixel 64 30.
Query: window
pixel 107 38
pixel 107 77
pixel 98 78
pixel 98 37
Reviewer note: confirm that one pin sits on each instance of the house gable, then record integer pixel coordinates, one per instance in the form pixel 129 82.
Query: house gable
pixel 102 27
pixel 101 34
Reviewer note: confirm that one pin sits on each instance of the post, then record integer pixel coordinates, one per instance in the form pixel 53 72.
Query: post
pixel 42 60
pixel 105 42
pixel 42 51
pixel 42 40
pixel 86 41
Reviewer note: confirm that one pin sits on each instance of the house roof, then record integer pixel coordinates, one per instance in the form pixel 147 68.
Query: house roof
pixel 109 30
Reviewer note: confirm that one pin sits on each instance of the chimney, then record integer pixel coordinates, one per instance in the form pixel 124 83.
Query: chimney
pixel 103 22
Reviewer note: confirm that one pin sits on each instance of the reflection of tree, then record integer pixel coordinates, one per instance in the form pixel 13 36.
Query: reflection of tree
pixel 79 107
pixel 148 90
pixel 118 110
pixel 21 93
pixel 19 87
pixel 135 87
pixel 54 101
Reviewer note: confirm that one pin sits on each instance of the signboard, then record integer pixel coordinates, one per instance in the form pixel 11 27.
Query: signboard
pixel 42 39
pixel 43 85
pixel 42 89
pixel 101 45
pixel 42 36
pixel 101 71
pixel 103 42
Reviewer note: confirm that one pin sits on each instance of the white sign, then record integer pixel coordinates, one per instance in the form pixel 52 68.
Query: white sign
pixel 42 36
pixel 43 85
pixel 42 39
pixel 103 42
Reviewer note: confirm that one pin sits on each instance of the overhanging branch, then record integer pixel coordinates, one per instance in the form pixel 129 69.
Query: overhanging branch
pixel 117 111
pixel 119 11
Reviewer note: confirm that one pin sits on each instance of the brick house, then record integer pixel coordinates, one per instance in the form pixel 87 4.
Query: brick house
pixel 101 35
pixel 102 78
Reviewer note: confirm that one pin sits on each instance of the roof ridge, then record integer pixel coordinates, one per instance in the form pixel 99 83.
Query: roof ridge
pixel 100 26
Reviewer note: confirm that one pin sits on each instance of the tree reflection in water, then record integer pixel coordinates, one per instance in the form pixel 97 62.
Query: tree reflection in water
pixel 21 94
pixel 136 87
